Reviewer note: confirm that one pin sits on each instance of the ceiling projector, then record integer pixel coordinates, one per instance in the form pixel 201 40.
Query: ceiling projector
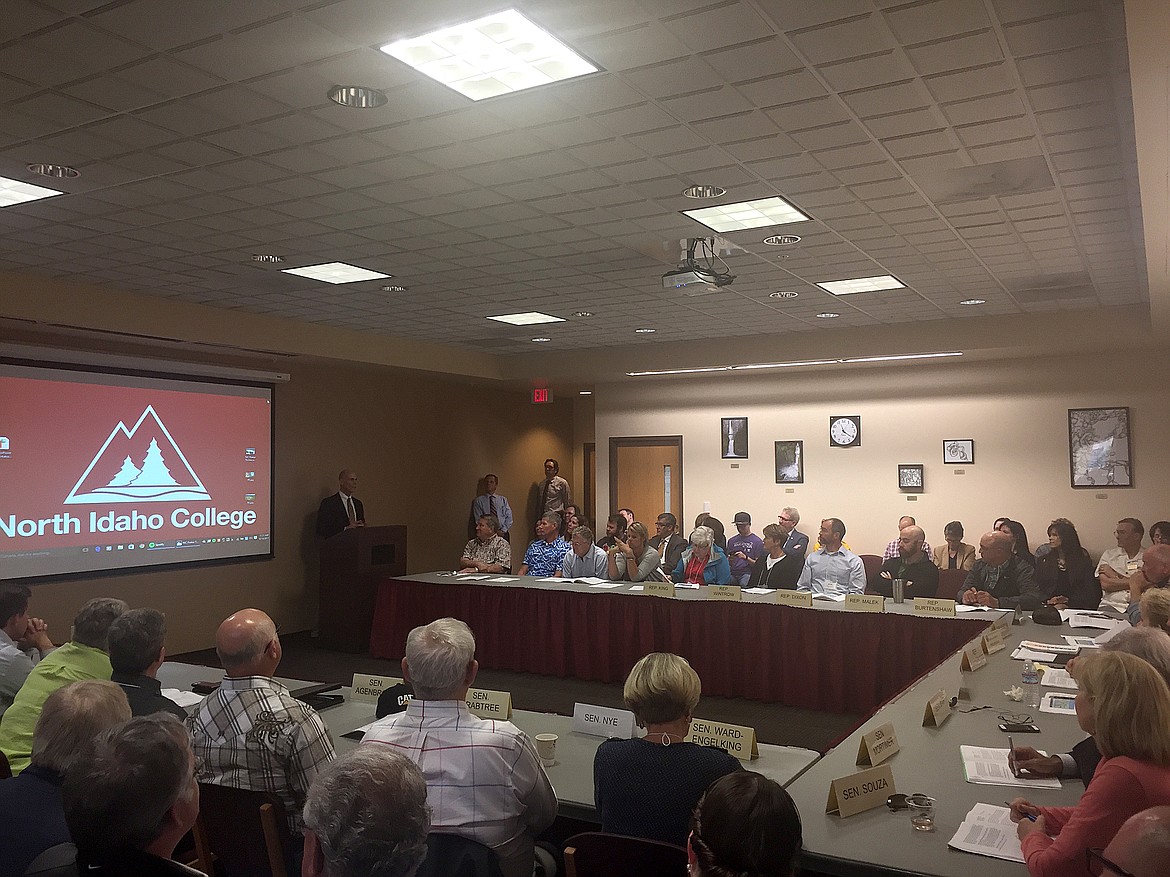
pixel 682 277
pixel 698 272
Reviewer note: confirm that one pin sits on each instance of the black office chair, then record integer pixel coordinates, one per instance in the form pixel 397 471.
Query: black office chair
pixel 597 854
pixel 246 832
pixel 56 861
pixel 449 855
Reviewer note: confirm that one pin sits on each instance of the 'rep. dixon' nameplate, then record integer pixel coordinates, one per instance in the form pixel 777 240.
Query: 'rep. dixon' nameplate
pixel 938 709
pixel 865 602
pixel 936 606
pixel 489 704
pixel 370 688
pixel 658 589
pixel 861 791
pixel 723 592
pixel 993 641
pixel 973 656
pixel 602 721
pixel 800 599
pixel 737 740
pixel 878 745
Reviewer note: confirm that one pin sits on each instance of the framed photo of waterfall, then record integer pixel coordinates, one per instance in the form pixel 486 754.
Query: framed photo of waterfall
pixel 733 438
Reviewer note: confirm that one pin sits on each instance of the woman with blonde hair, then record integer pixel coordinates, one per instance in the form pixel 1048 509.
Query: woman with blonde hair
pixel 1125 704
pixel 631 559
pixel 1155 608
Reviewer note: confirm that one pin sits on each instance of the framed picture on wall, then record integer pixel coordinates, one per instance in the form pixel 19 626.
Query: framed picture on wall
pixel 910 477
pixel 733 438
pixel 790 462
pixel 957 451
pixel 1099 449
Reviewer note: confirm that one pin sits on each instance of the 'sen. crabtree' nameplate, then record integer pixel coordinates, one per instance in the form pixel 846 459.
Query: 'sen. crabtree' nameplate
pixel 603 721
pixel 973 656
pixel 938 709
pixel 800 599
pixel 861 791
pixel 723 592
pixel 737 740
pixel 369 688
pixel 489 704
pixel 935 606
pixel 865 602
pixel 658 589
pixel 878 745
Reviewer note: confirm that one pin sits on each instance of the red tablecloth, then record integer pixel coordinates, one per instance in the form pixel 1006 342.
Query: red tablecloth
pixel 828 660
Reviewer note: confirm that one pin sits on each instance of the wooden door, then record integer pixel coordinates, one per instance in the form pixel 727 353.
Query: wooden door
pixel 590 492
pixel 645 474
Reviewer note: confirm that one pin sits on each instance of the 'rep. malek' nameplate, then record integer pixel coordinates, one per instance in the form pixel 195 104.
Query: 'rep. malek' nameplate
pixel 737 740
pixel 369 688
pixel 488 704
pixel 860 791
pixel 603 721
pixel 865 602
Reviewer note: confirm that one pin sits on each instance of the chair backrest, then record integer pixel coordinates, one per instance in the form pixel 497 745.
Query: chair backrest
pixel 449 855
pixel 246 831
pixel 949 583
pixel 57 861
pixel 597 854
pixel 5 770
pixel 873 565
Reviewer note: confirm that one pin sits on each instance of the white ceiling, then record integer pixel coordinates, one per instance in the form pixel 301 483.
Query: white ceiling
pixel 972 148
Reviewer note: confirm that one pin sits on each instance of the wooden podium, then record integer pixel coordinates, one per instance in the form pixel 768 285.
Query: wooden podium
pixel 352 563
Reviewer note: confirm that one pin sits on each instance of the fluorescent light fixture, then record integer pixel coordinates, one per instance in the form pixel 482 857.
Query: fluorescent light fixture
pixel 493 55
pixel 827 315
pixel 747 214
pixel 973 301
pixel 335 272
pixel 862 284
pixel 645 331
pixel 15 192
pixel 793 364
pixel 900 356
pixel 528 318
pixel 584 392
pixel 541 340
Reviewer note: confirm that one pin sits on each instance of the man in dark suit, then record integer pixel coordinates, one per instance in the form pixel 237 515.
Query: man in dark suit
pixel 796 542
pixel 675 544
pixel 342 510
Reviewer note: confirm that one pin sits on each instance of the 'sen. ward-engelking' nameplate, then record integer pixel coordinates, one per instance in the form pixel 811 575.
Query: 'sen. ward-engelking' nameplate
pixel 799 599
pixel 861 791
pixel 602 721
pixel 658 589
pixel 865 602
pixel 369 688
pixel 973 656
pixel 737 740
pixel 934 606
pixel 938 709
pixel 723 592
pixel 488 704
pixel 878 745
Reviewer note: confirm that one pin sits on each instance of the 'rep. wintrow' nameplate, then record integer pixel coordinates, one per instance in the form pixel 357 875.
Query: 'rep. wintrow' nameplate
pixel 369 688
pixel 878 745
pixel 865 602
pixel 861 791
pixel 488 704
pixel 936 606
pixel 993 641
pixel 658 589
pixel 938 709
pixel 973 656
pixel 723 592
pixel 800 599
pixel 737 740
pixel 603 721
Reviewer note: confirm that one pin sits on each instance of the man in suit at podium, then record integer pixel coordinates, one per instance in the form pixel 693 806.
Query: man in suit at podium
pixel 342 510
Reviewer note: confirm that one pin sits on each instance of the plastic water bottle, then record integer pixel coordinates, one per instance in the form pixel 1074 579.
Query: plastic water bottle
pixel 1031 682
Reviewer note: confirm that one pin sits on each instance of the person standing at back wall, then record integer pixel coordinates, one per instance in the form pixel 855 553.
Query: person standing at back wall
pixel 492 503
pixel 341 511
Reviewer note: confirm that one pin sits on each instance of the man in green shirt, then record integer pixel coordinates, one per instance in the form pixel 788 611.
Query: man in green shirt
pixel 83 658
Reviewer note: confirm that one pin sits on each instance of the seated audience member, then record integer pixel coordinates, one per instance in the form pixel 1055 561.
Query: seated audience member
pixel 23 641
pixel 1146 643
pixel 912 566
pixel 488 551
pixel 1125 704
pixel 366 816
pixel 715 526
pixel 1000 579
pixel 484 779
pixel 1045 547
pixel 628 514
pixel 955 553
pixel 251 733
pixel 32 818
pixel 1160 533
pixel 1141 847
pixel 1155 609
pixel 703 563
pixel 136 653
pixel 742 549
pixel 1117 564
pixel 1019 538
pixel 492 503
pixel 744 824
pixel 634 560
pixel 832 569
pixel 84 657
pixel 615 529
pixel 774 568
pixel 669 544
pixel 131 796
pixel 998 523
pixel 893 551
pixel 1154 574
pixel 543 557
pixel 572 522
pixel 583 559
pixel 795 542
pixel 647 786
pixel 1064 573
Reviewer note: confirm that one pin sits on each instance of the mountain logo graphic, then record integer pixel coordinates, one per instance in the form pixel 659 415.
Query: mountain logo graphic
pixel 107 480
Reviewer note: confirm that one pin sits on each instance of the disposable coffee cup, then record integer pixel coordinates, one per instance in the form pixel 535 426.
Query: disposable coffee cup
pixel 546 748
pixel 899 590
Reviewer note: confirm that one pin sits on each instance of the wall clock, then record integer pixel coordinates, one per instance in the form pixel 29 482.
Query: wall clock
pixel 845 431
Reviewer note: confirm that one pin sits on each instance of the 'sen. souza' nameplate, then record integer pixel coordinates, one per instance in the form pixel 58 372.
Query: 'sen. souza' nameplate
pixel 878 745
pixel 860 791
pixel 602 721
pixel 489 704
pixel 865 602
pixel 938 709
pixel 738 740
pixel 935 606
pixel 723 592
pixel 370 688
pixel 993 641
pixel 658 589
pixel 973 656
pixel 800 599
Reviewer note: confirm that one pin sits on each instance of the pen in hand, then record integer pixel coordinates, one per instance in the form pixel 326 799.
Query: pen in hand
pixel 1012 757
pixel 1027 816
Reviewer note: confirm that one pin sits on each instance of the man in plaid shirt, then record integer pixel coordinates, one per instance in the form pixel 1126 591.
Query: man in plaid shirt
pixel 484 779
pixel 250 733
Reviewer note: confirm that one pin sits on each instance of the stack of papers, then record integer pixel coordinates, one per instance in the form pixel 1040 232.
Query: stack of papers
pixel 836 598
pixel 758 590
pixel 988 831
pixel 1089 618
pixel 1057 677
pixel 182 698
pixel 989 767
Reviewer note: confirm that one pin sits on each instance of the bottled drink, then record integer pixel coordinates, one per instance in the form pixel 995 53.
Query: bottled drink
pixel 1031 683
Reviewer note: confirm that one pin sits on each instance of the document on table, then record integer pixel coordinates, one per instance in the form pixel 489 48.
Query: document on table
pixel 503 579
pixel 1023 654
pixel 182 698
pixel 989 767
pixel 637 587
pixel 469 578
pixel 963 607
pixel 1112 632
pixel 1082 642
pixel 988 830
pixel 1088 618
pixel 1050 647
pixel 836 598
pixel 603 584
pixel 759 590
pixel 1057 677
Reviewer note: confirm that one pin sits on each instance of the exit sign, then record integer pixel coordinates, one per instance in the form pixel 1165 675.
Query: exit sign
pixel 541 395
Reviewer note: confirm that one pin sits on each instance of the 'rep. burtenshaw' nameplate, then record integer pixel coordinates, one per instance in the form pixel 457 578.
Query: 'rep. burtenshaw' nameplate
pixel 861 791
pixel 878 745
pixel 737 740
pixel 935 606
pixel 488 704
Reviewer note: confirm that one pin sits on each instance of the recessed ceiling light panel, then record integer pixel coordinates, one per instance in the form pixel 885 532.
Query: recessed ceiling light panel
pixel 973 301
pixel 747 214
pixel 59 171
pixel 490 56
pixel 786 293
pixel 782 240
pixel 358 97
pixel 335 272
pixel 827 315
pixel 704 192
pixel 645 331
pixel 862 284
pixel 15 192
pixel 528 318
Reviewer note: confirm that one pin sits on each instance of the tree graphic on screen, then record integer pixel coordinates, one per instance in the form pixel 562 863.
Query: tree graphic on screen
pixel 154 470
pixel 126 474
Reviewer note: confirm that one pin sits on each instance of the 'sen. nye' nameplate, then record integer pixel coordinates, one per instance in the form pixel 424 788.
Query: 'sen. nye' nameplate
pixel 602 721
pixel 489 704
pixel 658 589
pixel 723 592
pixel 738 740
pixel 865 602
pixel 369 688
pixel 860 791
pixel 993 641
pixel 935 606
pixel 938 709
pixel 973 656
pixel 800 599
pixel 878 745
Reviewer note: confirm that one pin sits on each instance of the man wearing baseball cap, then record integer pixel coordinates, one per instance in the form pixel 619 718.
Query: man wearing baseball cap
pixel 742 549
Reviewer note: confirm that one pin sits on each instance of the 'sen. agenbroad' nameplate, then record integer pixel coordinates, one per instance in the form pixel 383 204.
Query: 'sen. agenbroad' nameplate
pixel 938 709
pixel 738 740
pixel 993 641
pixel 602 721
pixel 936 606
pixel 489 704
pixel 865 602
pixel 370 688
pixel 658 589
pixel 800 599
pixel 861 791
pixel 973 656
pixel 878 745
pixel 723 592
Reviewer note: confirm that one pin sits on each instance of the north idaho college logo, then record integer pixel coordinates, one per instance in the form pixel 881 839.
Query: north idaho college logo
pixel 152 480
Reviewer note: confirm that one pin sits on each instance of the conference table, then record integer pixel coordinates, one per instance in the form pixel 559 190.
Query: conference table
pixel 827 658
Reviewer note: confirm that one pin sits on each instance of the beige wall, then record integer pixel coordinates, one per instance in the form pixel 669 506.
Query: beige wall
pixel 1015 411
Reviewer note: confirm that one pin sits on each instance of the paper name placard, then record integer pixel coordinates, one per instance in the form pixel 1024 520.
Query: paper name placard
pixel 658 589
pixel 800 599
pixel 738 740
pixel 861 791
pixel 938 709
pixel 973 656
pixel 1003 622
pixel 878 745
pixel 602 721
pixel 935 606
pixel 370 688
pixel 724 592
pixel 993 642
pixel 865 602
pixel 489 704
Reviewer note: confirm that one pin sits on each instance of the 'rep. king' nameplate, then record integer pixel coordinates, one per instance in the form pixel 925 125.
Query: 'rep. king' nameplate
pixel 658 589
pixel 861 791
